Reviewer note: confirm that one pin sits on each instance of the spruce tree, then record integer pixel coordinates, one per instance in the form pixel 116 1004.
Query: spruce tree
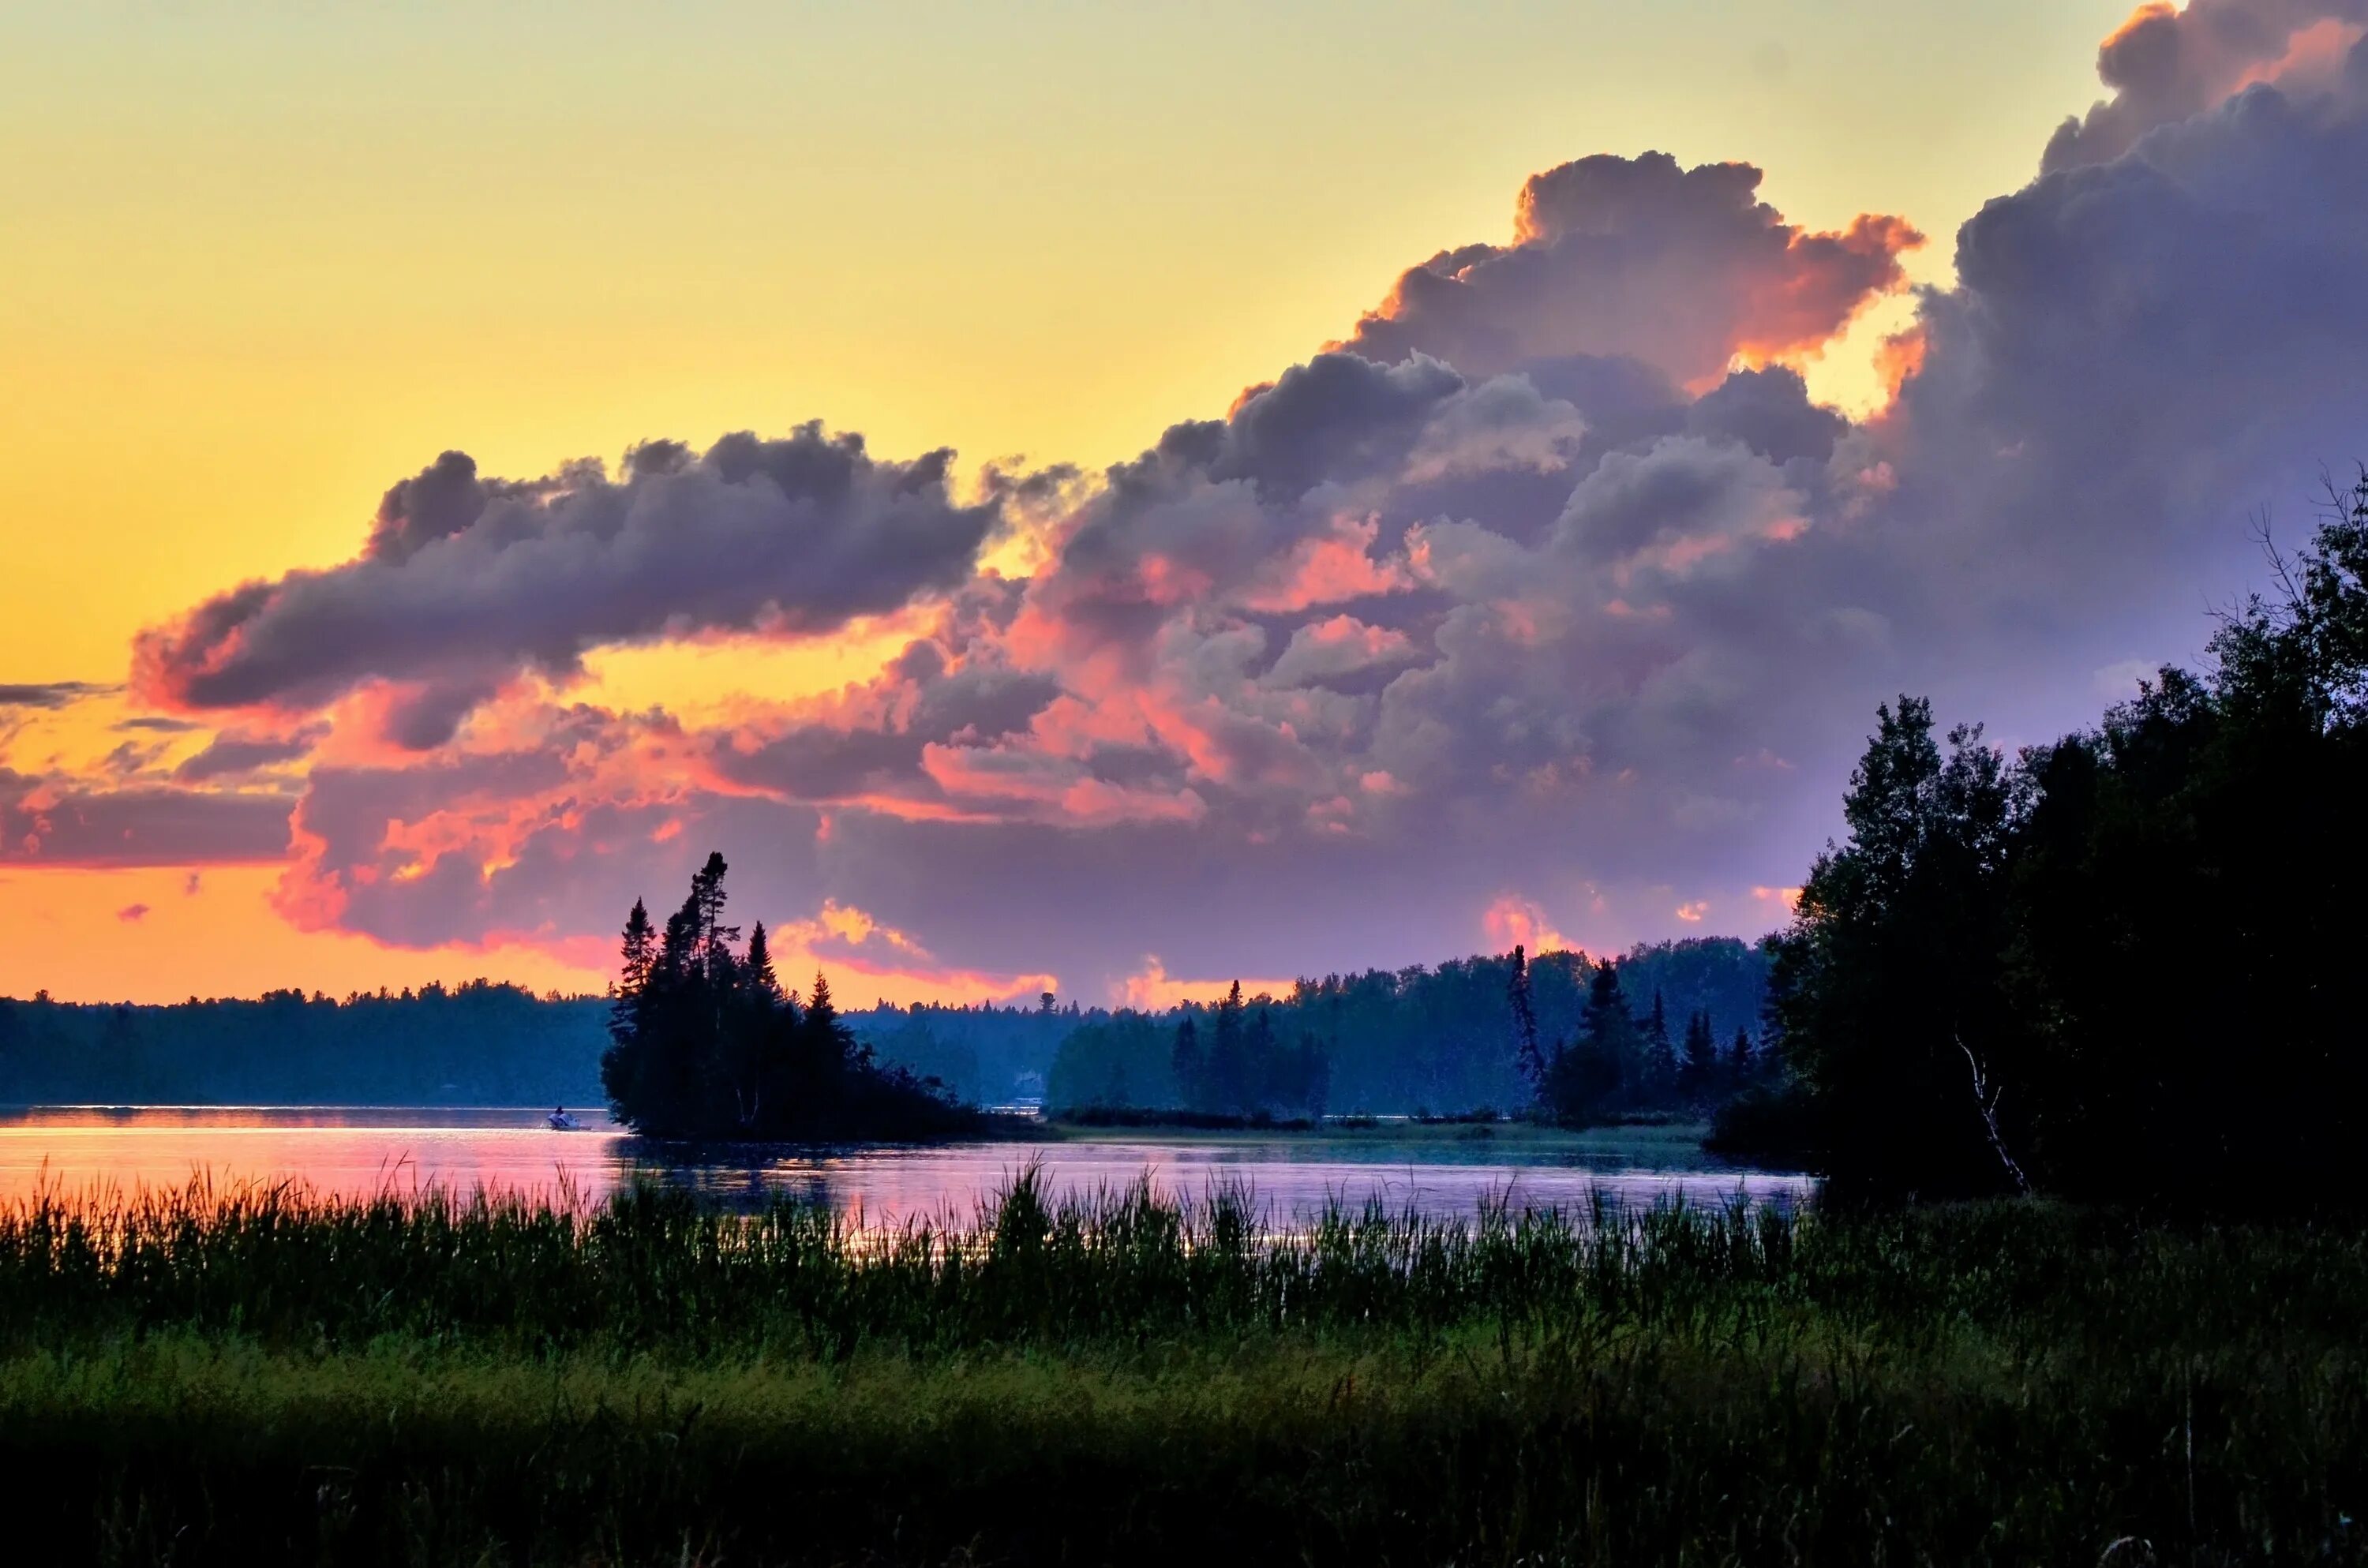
pixel 1660 1055
pixel 1226 1064
pixel 1258 1063
pixel 1698 1072
pixel 1593 1078
pixel 639 951
pixel 1191 1068
pixel 759 966
pixel 1526 1059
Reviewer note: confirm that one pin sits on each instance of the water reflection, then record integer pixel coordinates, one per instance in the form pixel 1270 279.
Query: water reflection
pixel 365 1150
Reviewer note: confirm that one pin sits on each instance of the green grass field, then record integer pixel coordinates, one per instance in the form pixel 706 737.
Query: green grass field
pixel 255 1377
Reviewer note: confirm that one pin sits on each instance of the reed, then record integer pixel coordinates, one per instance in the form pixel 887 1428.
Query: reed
pixel 259 1374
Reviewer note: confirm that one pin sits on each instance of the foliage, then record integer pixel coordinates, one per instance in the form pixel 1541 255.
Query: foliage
pixel 477 1043
pixel 2106 967
pixel 707 1044
pixel 1471 1032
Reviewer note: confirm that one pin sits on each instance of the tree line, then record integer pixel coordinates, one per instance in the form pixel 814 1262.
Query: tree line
pixel 2110 966
pixel 477 1043
pixel 1496 1033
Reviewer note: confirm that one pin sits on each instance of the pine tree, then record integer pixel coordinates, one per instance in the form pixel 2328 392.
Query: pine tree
pixel 1742 1061
pixel 1191 1068
pixel 639 951
pixel 1258 1063
pixel 1660 1055
pixel 1226 1064
pixel 1698 1072
pixel 759 966
pixel 1526 1059
pixel 833 1040
pixel 1593 1077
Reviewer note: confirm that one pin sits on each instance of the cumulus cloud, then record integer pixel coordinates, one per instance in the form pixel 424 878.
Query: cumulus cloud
pixel 1523 587
pixel 2166 64
pixel 2139 354
pixel 1681 268
pixel 465 582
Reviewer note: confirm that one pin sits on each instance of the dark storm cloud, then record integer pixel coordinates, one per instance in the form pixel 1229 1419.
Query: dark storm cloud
pixel 464 582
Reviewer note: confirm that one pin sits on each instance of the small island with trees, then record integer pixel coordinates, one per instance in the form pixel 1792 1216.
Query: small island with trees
pixel 708 1044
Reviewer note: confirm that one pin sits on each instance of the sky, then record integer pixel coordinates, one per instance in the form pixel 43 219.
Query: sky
pixel 1099 499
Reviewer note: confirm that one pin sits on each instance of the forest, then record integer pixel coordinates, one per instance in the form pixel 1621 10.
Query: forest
pixel 1473 1034
pixel 1422 1039
pixel 2108 966
pixel 478 1043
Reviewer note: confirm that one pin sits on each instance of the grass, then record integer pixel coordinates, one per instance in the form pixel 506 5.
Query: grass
pixel 253 1376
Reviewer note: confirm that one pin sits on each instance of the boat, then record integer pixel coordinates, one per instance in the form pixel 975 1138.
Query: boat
pixel 560 1121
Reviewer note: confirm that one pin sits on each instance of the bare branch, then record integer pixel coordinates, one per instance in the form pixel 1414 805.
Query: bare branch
pixel 1986 1104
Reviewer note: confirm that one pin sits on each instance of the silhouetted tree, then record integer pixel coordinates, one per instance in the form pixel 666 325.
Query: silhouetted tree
pixel 1587 1080
pixel 1659 1078
pixel 1527 1058
pixel 706 1043
pixel 1698 1067
pixel 1229 1085
pixel 1191 1066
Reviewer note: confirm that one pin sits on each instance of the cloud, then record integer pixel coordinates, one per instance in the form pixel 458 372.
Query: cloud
pixel 2167 64
pixel 1151 989
pixel 1681 268
pixel 1516 586
pixel 53 821
pixel 2139 353
pixel 234 753
pixel 465 583
pixel 50 694
pixel 1512 921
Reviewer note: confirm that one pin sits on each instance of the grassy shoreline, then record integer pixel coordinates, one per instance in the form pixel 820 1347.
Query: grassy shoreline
pixel 268 1380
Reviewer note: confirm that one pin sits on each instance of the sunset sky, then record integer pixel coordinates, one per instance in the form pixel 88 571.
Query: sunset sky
pixel 1297 486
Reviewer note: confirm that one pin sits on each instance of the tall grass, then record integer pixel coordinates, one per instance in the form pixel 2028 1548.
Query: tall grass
pixel 262 1375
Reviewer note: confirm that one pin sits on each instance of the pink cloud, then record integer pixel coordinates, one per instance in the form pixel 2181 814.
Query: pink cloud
pixel 1151 989
pixel 1513 921
pixel 1332 568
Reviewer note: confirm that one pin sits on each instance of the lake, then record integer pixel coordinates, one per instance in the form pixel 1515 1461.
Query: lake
pixel 1441 1172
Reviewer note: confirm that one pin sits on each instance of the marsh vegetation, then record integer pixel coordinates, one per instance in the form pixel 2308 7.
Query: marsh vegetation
pixel 256 1376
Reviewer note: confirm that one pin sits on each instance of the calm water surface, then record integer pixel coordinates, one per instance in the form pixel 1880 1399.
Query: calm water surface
pixel 362 1151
